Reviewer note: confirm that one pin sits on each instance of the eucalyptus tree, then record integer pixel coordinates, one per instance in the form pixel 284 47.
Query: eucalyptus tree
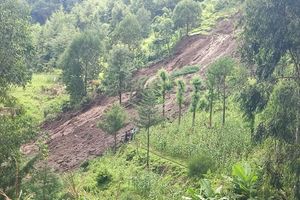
pixel 180 97
pixel 220 70
pixel 165 85
pixel 196 82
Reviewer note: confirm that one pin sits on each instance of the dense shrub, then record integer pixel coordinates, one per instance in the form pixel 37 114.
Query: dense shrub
pixel 185 71
pixel 103 179
pixel 199 165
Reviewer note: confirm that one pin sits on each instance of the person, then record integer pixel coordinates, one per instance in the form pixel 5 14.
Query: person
pixel 126 136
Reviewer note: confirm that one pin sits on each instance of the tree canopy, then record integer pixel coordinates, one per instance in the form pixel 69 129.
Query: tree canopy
pixel 15 45
pixel 80 63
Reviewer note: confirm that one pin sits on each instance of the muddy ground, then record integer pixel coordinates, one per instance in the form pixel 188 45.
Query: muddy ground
pixel 75 137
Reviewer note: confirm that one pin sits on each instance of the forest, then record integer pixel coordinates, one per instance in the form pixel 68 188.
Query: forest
pixel 149 99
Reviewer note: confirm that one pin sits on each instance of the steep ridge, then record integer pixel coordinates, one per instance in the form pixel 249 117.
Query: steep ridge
pixel 75 137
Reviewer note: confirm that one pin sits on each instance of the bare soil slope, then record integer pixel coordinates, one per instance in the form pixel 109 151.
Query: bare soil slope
pixel 75 137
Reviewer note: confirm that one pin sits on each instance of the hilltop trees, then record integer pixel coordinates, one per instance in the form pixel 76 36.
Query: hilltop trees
pixel 164 29
pixel 186 14
pixel 180 98
pixel 144 19
pixel 119 70
pixel 113 121
pixel 80 64
pixel 129 31
pixel 15 45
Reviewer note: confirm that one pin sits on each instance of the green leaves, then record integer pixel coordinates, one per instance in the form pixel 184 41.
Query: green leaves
pixel 80 64
pixel 186 14
pixel 113 120
pixel 15 45
pixel 148 115
pixel 119 70
pixel 244 180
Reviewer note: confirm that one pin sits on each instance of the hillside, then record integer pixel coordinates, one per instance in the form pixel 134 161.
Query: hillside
pixel 75 137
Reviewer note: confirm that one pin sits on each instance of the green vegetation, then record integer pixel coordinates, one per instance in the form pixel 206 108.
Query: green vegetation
pixel 185 71
pixel 80 64
pixel 254 155
pixel 180 98
pixel 43 97
pixel 113 121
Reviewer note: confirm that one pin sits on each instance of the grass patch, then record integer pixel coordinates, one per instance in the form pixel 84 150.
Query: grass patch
pixel 213 11
pixel 185 71
pixel 42 97
pixel 224 144
pixel 125 176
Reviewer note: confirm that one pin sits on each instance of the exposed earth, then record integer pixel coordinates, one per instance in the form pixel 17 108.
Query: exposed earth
pixel 75 137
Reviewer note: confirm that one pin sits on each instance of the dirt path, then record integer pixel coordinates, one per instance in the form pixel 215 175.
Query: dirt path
pixel 75 137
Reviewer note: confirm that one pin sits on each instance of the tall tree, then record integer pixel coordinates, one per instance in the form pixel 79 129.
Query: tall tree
pixel 119 70
pixel 80 63
pixel 164 85
pixel 164 29
pixel 220 71
pixel 129 31
pixel 148 115
pixel 272 33
pixel 186 14
pixel 52 39
pixel 180 97
pixel 144 19
pixel 113 120
pixel 15 45
pixel 211 85
pixel 196 82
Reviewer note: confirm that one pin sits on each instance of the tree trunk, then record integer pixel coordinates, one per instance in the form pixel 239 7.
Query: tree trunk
pixel 85 81
pixel 120 91
pixel 164 99
pixel 17 180
pixel 252 121
pixel 115 142
pixel 120 97
pixel 187 29
pixel 211 110
pixel 194 116
pixel 224 101
pixel 148 146
pixel 179 117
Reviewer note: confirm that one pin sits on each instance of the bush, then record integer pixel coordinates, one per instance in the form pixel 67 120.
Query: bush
pixel 85 102
pixel 66 106
pixel 198 166
pixel 185 71
pixel 103 179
